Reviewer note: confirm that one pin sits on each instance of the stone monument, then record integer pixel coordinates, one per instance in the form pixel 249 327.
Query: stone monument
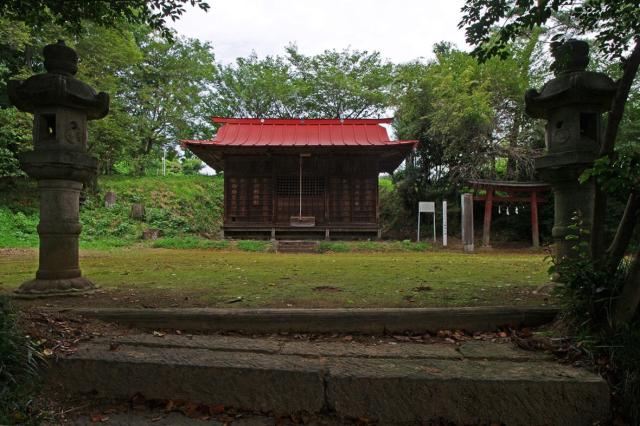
pixel 572 103
pixel 467 223
pixel 61 105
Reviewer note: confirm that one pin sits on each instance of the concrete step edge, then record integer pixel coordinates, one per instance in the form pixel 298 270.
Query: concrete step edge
pixel 402 391
pixel 366 321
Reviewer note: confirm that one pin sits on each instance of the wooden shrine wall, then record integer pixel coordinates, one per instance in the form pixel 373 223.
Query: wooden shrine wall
pixel 336 190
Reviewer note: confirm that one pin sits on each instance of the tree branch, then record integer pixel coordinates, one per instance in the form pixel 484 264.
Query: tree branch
pixel 618 247
pixel 627 305
pixel 620 99
pixel 607 148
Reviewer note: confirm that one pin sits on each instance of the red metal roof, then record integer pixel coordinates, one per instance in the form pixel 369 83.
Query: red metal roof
pixel 256 132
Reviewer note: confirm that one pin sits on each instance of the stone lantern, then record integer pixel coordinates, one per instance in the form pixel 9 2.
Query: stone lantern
pixel 572 103
pixel 61 106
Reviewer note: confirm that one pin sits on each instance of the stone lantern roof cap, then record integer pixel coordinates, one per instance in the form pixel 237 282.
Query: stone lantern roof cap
pixel 60 59
pixel 58 87
pixel 573 85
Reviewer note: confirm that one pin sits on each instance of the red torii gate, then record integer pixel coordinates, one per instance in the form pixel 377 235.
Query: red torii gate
pixel 522 192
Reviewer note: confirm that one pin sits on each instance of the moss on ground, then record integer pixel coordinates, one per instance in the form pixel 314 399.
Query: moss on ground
pixel 161 277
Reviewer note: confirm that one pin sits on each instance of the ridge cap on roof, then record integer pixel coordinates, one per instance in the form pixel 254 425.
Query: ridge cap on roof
pixel 298 121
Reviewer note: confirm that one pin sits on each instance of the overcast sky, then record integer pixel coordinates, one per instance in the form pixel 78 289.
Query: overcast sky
pixel 401 30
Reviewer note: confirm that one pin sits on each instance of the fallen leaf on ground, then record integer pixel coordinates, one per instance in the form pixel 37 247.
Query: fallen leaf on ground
pixel 99 418
pixel 216 409
pixel 192 410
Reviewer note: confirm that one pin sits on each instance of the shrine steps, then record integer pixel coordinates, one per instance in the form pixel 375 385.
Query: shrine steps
pixel 475 382
pixel 296 246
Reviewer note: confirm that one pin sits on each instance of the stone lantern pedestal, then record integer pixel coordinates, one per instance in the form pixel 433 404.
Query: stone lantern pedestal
pixel 572 103
pixel 61 105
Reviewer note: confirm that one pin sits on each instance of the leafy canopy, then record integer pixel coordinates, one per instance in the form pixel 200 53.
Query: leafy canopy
pixel 71 14
pixel 491 25
pixel 332 84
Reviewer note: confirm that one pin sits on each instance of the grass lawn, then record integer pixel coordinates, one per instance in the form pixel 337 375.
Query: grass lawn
pixel 157 277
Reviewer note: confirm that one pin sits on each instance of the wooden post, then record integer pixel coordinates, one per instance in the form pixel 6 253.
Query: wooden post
pixel 488 208
pixel 274 192
pixel 534 219
pixel 467 223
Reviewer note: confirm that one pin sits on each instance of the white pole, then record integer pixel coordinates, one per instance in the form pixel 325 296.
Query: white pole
pixel 164 161
pixel 444 224
pixel 435 239
pixel 418 239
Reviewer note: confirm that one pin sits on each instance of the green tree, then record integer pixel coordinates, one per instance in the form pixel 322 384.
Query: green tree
pixel 342 84
pixel 469 117
pixel 254 87
pixel 74 14
pixel 333 84
pixel 164 93
pixel 102 33
pixel 15 127
pixel 108 59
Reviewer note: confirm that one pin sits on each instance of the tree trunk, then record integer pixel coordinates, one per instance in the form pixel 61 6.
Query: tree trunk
pixel 627 306
pixel 616 251
pixel 607 149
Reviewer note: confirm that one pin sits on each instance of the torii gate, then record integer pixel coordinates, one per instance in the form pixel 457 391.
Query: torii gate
pixel 522 192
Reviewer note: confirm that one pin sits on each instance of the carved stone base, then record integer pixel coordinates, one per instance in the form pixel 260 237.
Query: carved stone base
pixel 53 288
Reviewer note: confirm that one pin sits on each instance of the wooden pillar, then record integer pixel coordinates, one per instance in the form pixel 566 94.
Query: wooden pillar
pixel 488 208
pixel 274 191
pixel 534 219
pixel 467 223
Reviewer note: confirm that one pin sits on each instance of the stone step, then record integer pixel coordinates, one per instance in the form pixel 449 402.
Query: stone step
pixel 297 246
pixel 363 320
pixel 407 383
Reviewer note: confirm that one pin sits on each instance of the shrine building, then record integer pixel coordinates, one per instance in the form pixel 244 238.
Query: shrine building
pixel 297 178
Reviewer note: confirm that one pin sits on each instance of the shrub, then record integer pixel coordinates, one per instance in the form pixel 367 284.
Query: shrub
pixel 19 361
pixel 335 247
pixel 164 220
pixel 588 296
pixel 371 246
pixel 253 245
pixel 189 242
pixel 414 246
pixel 17 229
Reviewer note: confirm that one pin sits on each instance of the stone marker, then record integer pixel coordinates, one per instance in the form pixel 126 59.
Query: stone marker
pixel 109 199
pixel 61 105
pixel 572 103
pixel 467 223
pixel 151 234
pixel 137 211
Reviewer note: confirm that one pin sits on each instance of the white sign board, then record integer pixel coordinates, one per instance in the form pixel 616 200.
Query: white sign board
pixel 426 207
